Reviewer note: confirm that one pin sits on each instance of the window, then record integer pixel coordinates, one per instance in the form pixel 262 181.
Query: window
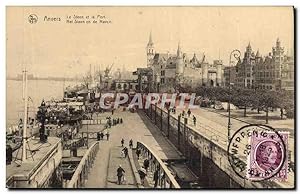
pixel 162 73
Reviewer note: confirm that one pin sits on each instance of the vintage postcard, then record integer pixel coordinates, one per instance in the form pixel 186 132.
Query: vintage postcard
pixel 162 97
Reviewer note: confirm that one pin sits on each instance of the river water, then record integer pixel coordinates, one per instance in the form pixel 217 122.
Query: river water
pixel 37 91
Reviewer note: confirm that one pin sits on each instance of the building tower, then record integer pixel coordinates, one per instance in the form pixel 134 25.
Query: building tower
pixel 278 59
pixel 150 51
pixel 278 51
pixel 179 61
pixel 257 57
pixel 219 65
pixel 204 67
pixel 248 53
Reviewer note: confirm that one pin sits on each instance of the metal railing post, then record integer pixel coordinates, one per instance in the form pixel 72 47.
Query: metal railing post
pixel 161 119
pixel 168 133
pixel 155 115
pixel 184 136
pixel 178 134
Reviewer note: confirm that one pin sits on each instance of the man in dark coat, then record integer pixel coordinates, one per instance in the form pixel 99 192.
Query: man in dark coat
pixel 138 152
pixel 146 164
pixel 120 174
pixel 130 143
pixel 156 177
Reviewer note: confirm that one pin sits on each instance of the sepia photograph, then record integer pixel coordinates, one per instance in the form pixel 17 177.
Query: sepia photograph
pixel 150 97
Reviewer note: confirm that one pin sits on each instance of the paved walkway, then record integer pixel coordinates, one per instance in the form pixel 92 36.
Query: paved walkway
pixel 134 128
pixel 115 160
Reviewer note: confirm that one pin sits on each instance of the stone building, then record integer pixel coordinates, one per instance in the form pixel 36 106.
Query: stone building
pixel 229 74
pixel 274 71
pixel 170 69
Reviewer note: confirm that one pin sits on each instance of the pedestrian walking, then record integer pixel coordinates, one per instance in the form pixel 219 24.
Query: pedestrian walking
pixel 121 120
pixel 31 122
pixel 101 135
pixel 189 112
pixel 156 177
pixel 195 120
pixel 122 142
pixel 130 143
pixel 107 135
pixel 120 174
pixel 143 174
pixel 109 122
pixel 98 136
pixel 146 164
pixel 125 151
pixel 138 152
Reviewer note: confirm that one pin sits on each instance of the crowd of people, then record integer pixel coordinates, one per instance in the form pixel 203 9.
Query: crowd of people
pixel 112 121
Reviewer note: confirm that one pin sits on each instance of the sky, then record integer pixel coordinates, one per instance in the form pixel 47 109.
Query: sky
pixel 58 48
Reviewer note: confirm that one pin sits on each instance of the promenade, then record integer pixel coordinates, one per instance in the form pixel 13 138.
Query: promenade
pixel 104 170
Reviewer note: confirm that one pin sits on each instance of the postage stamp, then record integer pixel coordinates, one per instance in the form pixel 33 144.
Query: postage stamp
pixel 259 152
pixel 267 156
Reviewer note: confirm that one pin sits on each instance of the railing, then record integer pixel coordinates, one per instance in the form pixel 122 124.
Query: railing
pixel 165 178
pixel 190 140
pixel 82 170
pixel 67 145
pixel 94 122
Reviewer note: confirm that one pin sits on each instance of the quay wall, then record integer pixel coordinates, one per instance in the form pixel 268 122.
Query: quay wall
pixel 206 156
pixel 41 173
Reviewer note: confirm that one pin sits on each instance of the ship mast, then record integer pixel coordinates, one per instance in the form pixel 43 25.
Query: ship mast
pixel 25 98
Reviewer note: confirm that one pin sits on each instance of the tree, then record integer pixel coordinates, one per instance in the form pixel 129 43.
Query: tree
pixel 268 99
pixel 244 98
pixel 286 101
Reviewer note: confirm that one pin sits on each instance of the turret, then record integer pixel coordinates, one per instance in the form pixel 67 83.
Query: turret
pixel 257 54
pixel 204 66
pixel 248 51
pixel 219 65
pixel 179 61
pixel 257 57
pixel 150 51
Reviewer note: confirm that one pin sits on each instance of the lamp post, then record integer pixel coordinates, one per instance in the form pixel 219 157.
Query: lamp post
pixel 87 131
pixel 24 140
pixel 236 54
